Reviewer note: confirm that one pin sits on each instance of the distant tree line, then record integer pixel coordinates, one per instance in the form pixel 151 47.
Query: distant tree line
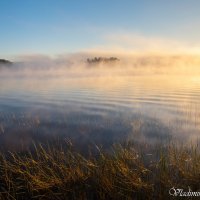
pixel 5 62
pixel 102 60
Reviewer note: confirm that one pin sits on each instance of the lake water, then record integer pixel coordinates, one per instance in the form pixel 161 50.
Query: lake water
pixel 98 108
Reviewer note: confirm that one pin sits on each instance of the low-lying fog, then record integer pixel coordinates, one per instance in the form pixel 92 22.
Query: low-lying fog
pixel 76 65
pixel 147 98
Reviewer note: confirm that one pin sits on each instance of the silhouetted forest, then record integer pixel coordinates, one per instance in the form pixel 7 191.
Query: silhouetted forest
pixel 5 62
pixel 102 60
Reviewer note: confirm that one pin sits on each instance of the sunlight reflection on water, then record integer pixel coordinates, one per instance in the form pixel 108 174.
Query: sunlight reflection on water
pixel 100 108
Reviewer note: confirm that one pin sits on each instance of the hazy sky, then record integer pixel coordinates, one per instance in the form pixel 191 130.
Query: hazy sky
pixel 61 26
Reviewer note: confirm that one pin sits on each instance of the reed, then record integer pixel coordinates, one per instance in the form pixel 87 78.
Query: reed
pixel 60 172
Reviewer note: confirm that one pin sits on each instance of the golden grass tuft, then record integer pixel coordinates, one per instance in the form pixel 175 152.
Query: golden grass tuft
pixel 59 172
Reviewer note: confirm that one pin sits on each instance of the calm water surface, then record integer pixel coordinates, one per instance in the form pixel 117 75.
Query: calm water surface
pixel 99 109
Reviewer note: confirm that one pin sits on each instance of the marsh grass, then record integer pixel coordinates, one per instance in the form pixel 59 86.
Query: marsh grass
pixel 60 172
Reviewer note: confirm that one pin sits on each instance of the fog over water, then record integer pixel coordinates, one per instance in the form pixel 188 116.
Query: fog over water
pixel 145 98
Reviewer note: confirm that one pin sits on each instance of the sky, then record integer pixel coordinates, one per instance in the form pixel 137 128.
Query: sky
pixel 55 27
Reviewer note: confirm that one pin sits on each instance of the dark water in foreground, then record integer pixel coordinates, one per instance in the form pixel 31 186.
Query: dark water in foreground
pixel 99 109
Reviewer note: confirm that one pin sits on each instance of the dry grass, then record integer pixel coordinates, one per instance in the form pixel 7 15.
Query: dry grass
pixel 62 173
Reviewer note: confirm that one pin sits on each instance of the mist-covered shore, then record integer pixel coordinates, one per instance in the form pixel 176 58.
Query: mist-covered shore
pixel 4 62
pixel 80 64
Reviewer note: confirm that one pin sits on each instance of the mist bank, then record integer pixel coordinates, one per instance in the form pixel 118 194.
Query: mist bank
pixel 86 64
